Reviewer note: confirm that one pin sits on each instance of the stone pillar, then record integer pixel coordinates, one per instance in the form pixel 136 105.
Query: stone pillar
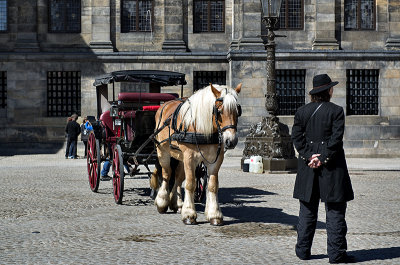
pixel 325 26
pixel 173 26
pixel 101 36
pixel 393 42
pixel 26 40
pixel 247 25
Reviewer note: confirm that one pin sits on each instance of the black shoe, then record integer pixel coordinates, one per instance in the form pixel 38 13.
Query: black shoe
pixel 105 178
pixel 344 259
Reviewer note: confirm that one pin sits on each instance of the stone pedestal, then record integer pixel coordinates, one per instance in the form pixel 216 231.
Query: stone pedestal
pixel 393 42
pixel 271 140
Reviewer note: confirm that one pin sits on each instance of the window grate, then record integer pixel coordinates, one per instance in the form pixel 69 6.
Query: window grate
pixel 359 14
pixel 204 78
pixel 63 93
pixel 291 14
pixel 290 90
pixel 3 15
pixel 65 16
pixel 362 92
pixel 136 16
pixel 3 89
pixel 209 16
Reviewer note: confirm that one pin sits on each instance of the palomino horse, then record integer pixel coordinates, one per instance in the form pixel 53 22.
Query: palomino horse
pixel 195 131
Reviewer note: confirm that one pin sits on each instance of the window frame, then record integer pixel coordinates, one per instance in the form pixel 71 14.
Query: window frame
pixel 137 17
pixel 7 19
pixel 209 17
pixel 55 84
pixel 210 75
pixel 358 74
pixel 288 73
pixel 286 2
pixel 50 30
pixel 358 22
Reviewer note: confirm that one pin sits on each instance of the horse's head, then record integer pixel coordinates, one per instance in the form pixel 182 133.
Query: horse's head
pixel 226 112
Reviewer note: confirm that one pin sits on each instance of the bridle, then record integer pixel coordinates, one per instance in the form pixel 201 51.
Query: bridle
pixel 217 112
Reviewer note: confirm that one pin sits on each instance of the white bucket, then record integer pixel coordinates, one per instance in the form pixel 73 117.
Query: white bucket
pixel 256 165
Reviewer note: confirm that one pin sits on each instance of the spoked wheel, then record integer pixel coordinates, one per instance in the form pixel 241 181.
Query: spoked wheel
pixel 201 183
pixel 93 162
pixel 118 174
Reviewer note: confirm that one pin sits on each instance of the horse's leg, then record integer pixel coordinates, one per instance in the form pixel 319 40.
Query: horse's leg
pixel 213 212
pixel 189 214
pixel 176 193
pixel 162 199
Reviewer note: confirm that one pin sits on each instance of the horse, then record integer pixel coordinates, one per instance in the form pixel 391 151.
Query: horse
pixel 195 131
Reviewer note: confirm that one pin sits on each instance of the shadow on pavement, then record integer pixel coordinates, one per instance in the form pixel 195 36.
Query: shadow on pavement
pixel 375 254
pixel 233 200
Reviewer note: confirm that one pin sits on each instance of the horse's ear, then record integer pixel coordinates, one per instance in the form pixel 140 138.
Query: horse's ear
pixel 215 91
pixel 238 88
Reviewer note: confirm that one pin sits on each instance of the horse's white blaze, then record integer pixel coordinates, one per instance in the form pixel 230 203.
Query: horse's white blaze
pixel 228 135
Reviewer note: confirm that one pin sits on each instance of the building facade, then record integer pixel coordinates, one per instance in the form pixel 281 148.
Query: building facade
pixel 52 50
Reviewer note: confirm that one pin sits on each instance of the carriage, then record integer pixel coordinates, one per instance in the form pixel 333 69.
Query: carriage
pixel 123 133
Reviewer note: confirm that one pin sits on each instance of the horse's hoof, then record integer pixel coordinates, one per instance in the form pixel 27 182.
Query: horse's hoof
pixel 217 221
pixel 189 221
pixel 162 209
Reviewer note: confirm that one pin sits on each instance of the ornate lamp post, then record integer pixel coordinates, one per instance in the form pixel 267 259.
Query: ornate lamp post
pixel 270 138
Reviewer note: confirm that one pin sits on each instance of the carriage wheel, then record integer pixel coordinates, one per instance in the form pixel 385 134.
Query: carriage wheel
pixel 93 162
pixel 118 174
pixel 201 183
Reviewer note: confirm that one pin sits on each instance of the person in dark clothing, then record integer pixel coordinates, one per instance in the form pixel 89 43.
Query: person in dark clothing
pixel 73 130
pixel 86 127
pixel 317 134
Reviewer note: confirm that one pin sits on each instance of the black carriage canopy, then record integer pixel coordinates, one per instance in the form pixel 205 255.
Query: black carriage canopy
pixel 160 78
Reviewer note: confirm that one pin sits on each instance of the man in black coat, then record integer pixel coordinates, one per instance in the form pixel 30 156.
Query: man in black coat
pixel 317 134
pixel 73 130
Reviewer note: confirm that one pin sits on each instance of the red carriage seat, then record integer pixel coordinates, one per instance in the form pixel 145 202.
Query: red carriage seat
pixel 146 97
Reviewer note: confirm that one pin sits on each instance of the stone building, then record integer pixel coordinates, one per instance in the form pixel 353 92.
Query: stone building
pixel 51 51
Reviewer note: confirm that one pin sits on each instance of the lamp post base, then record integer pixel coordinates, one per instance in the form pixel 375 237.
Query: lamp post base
pixel 271 140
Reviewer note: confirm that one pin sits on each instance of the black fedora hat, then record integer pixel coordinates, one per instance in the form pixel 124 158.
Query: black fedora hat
pixel 321 83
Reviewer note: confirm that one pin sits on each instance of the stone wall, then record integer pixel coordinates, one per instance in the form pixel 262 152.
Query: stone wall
pixel 28 51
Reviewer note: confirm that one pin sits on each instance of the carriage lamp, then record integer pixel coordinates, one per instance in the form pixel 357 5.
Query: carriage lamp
pixel 114 111
pixel 270 138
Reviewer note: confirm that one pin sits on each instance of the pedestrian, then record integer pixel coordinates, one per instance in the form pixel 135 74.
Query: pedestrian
pixel 86 127
pixel 317 134
pixel 73 130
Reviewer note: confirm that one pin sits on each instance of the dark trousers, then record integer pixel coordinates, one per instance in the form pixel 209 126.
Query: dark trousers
pixel 336 227
pixel 85 144
pixel 71 148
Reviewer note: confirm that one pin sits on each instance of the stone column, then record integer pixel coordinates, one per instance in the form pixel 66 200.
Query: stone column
pixel 325 26
pixel 246 28
pixel 26 40
pixel 101 36
pixel 173 26
pixel 393 42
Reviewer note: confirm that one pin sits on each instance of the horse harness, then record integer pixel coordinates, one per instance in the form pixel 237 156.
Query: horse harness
pixel 182 135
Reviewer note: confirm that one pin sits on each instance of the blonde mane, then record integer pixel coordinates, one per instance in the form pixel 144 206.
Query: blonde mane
pixel 198 109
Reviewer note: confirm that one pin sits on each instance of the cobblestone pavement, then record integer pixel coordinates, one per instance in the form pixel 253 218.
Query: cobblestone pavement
pixel 48 215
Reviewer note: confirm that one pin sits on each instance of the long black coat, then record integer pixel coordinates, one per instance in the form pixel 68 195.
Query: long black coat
pixel 323 134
